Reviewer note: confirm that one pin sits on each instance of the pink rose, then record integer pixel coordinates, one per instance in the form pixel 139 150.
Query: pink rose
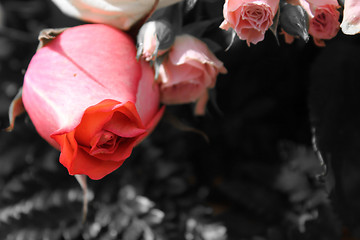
pixel 188 72
pixel 324 19
pixel 249 18
pixel 118 13
pixel 351 21
pixel 88 96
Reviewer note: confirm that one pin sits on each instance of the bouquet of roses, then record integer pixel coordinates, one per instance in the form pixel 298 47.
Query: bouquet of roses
pixel 97 90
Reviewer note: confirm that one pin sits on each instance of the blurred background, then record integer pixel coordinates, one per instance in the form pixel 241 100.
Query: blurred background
pixel 255 178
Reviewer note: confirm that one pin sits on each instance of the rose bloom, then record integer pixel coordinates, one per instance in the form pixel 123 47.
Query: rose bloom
pixel 187 73
pixel 324 19
pixel 351 22
pixel 249 18
pixel 88 96
pixel 118 13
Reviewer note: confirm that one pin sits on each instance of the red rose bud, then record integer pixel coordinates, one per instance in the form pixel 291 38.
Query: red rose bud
pixel 88 96
pixel 294 20
pixel 154 39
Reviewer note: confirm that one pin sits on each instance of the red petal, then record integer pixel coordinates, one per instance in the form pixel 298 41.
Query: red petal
pixel 122 126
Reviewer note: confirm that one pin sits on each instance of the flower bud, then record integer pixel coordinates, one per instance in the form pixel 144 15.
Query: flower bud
pixel 154 39
pixel 94 113
pixel 294 20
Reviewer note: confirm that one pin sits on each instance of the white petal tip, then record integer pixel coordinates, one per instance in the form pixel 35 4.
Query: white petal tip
pixel 350 29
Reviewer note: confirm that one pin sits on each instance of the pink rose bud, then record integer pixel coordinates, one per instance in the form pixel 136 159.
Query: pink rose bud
pixel 350 24
pixel 324 19
pixel 119 13
pixel 154 39
pixel 187 73
pixel 294 20
pixel 88 96
pixel 249 18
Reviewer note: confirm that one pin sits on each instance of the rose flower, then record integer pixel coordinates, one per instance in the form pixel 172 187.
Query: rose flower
pixel 88 96
pixel 187 73
pixel 324 19
pixel 249 18
pixel 118 13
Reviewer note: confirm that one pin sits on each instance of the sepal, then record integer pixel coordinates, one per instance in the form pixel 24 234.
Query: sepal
pixel 294 20
pixel 47 35
pixel 16 108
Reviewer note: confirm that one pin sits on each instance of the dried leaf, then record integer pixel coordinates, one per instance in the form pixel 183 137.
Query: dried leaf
pixel 16 108
pixel 47 35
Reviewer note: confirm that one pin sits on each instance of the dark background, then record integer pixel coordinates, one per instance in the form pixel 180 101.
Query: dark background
pixel 257 178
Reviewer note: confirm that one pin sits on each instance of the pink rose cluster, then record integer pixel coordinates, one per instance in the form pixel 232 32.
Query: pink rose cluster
pixel 250 19
pixel 95 91
pixel 94 96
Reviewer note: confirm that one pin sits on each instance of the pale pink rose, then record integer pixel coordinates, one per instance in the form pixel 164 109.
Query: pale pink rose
pixel 249 18
pixel 323 19
pixel 188 72
pixel 118 13
pixel 351 22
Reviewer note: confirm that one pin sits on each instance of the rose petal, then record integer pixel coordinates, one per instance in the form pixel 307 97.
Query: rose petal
pixel 78 161
pixel 91 166
pixel 103 142
pixel 90 125
pixel 148 95
pixel 351 22
pixel 64 90
pixel 121 151
pixel 118 13
pixel 249 18
pixel 151 125
pixel 122 126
